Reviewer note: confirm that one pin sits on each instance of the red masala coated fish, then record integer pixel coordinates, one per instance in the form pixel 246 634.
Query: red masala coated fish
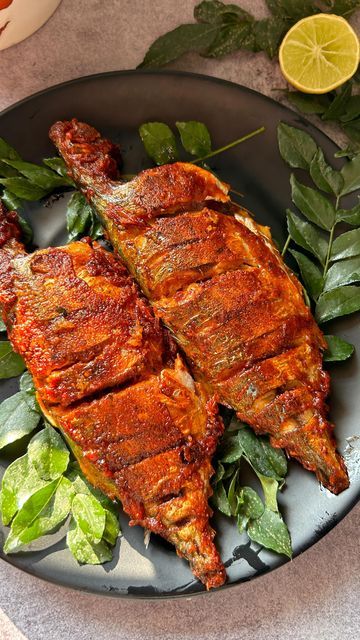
pixel 217 281
pixel 109 377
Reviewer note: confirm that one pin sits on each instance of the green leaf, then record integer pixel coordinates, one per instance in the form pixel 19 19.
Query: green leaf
pixel 11 364
pixel 219 473
pixel 48 454
pixel 26 230
pixel 112 527
pixel 90 516
pixel 183 39
pixel 338 105
pixel 19 482
pixel 310 274
pixel 343 272
pixel 16 419
pixel 2 326
pixel 338 302
pixel 296 147
pixel 271 532
pixel 22 188
pixel 308 103
pixel 229 38
pixel 11 201
pixel 82 485
pixel 220 499
pixel 270 488
pixel 83 550
pixel 58 165
pixel 337 350
pixel 307 236
pixel 351 175
pixel 352 110
pixel 292 10
pixel 232 493
pixel 195 137
pixel 324 176
pixel 28 390
pixel 159 142
pixel 230 449
pixel 343 8
pixel 79 216
pixel 269 34
pixel 249 506
pixel 312 204
pixel 352 130
pixel 349 152
pixel 40 176
pixel 350 216
pixel 214 12
pixel 261 455
pixel 43 512
pixel 346 246
pixel 6 171
pixel 8 152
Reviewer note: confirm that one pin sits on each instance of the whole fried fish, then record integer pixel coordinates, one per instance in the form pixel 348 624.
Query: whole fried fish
pixel 108 375
pixel 217 281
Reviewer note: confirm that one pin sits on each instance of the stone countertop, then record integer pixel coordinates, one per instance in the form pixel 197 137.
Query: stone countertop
pixel 316 595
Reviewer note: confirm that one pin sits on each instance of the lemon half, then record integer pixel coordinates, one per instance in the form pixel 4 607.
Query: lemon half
pixel 319 53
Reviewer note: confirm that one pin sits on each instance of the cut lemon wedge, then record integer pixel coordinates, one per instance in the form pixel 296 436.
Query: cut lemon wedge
pixel 319 53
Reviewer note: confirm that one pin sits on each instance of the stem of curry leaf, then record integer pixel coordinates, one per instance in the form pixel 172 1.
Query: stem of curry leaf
pixel 284 249
pixel 229 146
pixel 331 239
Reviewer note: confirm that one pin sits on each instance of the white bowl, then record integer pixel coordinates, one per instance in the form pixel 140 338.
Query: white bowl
pixel 20 18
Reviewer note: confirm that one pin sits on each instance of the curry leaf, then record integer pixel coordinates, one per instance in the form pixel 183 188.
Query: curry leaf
pixel 350 216
pixel 268 35
pixel 19 482
pixel 352 110
pixel 22 188
pixel 249 506
pixel 307 236
pixel 58 165
pixel 40 176
pixel 48 454
pixel 325 177
pixel 296 147
pixel 172 45
pixel 11 364
pixel 90 516
pixel 16 419
pixel 312 204
pixel 337 349
pixel 159 142
pixel 346 246
pixel 342 272
pixel 338 302
pixel 11 201
pixel 214 12
pixel 229 38
pixel 28 390
pixel 195 137
pixel 271 532
pixel 351 175
pixel 8 152
pixel 84 551
pixel 261 455
pixel 308 103
pixel 292 9
pixel 220 499
pixel 230 448
pixel 310 274
pixel 43 512
pixel 339 103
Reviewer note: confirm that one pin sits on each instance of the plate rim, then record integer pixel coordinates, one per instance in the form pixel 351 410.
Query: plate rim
pixel 317 535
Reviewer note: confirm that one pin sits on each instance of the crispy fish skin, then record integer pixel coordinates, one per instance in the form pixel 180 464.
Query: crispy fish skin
pixel 218 282
pixel 108 375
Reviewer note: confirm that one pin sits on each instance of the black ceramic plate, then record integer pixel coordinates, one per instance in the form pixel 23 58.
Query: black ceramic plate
pixel 116 104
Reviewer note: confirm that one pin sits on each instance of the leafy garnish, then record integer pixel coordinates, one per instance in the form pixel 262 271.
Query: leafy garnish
pixel 222 28
pixel 11 364
pixel 331 278
pixel 81 220
pixel 262 522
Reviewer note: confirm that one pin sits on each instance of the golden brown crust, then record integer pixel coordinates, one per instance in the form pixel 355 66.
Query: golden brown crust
pixel 217 281
pixel 106 374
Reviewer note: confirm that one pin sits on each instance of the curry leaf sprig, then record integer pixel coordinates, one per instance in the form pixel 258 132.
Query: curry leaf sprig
pixel 162 147
pixel 262 521
pixel 222 28
pixel 330 265
pixel 43 489
pixel 341 107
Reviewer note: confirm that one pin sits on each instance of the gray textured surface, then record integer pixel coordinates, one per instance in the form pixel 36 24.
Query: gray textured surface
pixel 317 595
